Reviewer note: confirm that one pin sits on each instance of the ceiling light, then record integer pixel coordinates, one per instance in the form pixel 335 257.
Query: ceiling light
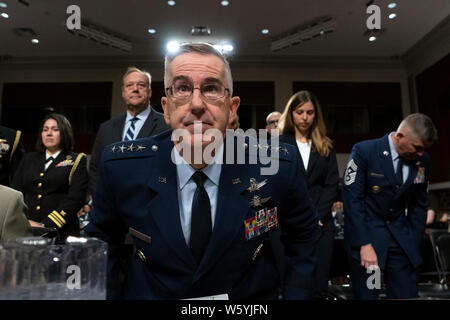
pixel 3 5
pixel 224 3
pixel 152 31
pixel 103 35
pixel 173 46
pixel 5 15
pixel 392 5
pixel 228 47
pixel 171 3
pixel 35 40
pixel 392 16
pixel 265 31
pixel 372 38
pixel 304 32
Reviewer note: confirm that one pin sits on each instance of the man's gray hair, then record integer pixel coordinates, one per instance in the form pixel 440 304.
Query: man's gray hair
pixel 201 48
pixel 422 126
pixel 143 72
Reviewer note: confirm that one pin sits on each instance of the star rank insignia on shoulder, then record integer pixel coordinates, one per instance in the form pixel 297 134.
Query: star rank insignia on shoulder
pixel 127 148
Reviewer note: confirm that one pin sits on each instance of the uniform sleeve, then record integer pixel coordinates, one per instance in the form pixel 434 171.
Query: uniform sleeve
pixel 330 188
pixel 300 233
pixel 15 224
pixel 68 208
pixel 96 155
pixel 419 205
pixel 17 181
pixel 106 224
pixel 353 195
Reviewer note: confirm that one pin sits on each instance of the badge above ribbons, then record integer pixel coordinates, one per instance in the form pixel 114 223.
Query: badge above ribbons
pixel 265 220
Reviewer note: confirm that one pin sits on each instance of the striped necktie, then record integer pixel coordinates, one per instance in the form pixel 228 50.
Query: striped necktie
pixel 130 132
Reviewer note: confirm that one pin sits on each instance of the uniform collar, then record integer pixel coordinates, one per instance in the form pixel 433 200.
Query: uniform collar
pixel 185 171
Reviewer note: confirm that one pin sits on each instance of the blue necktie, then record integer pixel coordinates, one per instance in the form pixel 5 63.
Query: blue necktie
pixel 201 225
pixel 130 133
pixel 399 173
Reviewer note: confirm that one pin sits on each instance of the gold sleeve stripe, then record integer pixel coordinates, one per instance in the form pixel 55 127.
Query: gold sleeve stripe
pixel 75 165
pixel 56 222
pixel 60 218
pixel 16 143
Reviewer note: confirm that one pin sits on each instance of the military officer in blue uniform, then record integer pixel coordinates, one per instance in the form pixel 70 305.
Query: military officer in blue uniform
pixel 201 228
pixel 385 205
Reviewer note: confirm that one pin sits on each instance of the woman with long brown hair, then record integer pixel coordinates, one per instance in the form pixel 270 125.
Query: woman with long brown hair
pixel 54 179
pixel 302 125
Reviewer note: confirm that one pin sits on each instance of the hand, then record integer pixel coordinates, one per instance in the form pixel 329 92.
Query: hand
pixel 36 224
pixel 368 256
pixel 320 223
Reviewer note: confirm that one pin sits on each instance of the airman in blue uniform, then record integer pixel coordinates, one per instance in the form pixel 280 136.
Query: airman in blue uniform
pixel 385 205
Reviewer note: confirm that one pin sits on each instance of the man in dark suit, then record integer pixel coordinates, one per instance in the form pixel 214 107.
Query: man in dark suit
pixel 13 223
pixel 140 120
pixel 11 152
pixel 385 205
pixel 201 226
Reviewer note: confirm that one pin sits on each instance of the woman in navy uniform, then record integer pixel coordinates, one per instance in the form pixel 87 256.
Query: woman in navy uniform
pixel 53 179
pixel 302 125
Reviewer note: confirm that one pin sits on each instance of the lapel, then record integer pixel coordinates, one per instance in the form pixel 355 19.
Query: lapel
pixel 386 159
pixel 413 168
pixel 232 207
pixel 313 157
pixel 290 138
pixel 117 128
pixel 58 159
pixel 164 208
pixel 149 125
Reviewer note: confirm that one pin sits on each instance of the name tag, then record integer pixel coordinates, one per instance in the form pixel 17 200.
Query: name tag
pixel 140 235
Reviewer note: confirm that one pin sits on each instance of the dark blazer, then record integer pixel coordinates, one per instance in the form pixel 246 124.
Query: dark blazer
pixel 322 178
pixel 111 131
pixel 145 199
pixel 11 152
pixel 374 203
pixel 50 198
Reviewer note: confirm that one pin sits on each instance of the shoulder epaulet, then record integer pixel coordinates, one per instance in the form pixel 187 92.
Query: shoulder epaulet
pixel 264 149
pixel 130 149
pixel 16 143
pixel 75 165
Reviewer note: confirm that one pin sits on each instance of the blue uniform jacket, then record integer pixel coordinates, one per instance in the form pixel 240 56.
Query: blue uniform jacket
pixel 138 190
pixel 374 204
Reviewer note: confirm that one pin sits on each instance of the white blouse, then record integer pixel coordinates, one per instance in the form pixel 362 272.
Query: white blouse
pixel 305 150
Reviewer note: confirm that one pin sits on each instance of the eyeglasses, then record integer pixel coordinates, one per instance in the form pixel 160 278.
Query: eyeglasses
pixel 182 90
pixel 270 122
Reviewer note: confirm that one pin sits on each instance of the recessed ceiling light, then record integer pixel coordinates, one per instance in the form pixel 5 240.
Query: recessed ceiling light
pixel 392 16
pixel 228 47
pixel 3 5
pixel 372 38
pixel 224 3
pixel 265 31
pixel 173 46
pixel 171 3
pixel 35 40
pixel 392 5
pixel 5 15
pixel 152 31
